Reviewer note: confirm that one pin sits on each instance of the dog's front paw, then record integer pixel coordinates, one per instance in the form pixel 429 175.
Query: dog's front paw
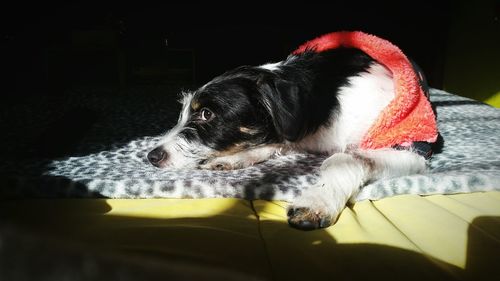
pixel 225 163
pixel 218 166
pixel 314 209
pixel 305 218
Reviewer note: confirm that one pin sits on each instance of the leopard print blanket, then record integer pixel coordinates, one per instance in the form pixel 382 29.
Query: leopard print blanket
pixel 469 162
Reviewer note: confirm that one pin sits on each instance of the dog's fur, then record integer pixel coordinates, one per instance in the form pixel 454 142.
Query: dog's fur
pixel 314 102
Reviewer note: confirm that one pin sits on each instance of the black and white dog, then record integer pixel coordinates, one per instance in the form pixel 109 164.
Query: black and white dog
pixel 315 102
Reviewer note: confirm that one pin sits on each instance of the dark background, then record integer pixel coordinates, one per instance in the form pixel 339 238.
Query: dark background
pixel 48 48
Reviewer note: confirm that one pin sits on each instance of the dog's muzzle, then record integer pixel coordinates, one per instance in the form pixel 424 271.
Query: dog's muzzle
pixel 157 156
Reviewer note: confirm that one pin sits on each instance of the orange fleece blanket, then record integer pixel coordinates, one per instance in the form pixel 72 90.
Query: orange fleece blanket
pixel 408 117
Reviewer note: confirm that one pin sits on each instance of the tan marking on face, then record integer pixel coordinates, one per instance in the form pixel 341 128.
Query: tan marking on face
pixel 249 131
pixel 195 105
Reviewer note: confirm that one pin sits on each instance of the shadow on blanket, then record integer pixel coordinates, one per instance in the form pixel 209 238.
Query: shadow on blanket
pixel 40 129
pixel 36 244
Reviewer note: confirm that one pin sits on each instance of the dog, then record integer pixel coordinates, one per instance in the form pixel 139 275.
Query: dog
pixel 314 102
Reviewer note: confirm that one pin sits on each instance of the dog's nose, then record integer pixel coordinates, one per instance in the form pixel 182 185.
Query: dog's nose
pixel 157 155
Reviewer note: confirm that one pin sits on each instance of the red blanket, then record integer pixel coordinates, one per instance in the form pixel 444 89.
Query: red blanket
pixel 408 117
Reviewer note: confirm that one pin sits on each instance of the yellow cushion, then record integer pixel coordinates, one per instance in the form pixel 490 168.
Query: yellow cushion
pixel 222 233
pixel 403 237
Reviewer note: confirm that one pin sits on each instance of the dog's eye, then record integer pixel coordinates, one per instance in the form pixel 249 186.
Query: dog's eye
pixel 206 114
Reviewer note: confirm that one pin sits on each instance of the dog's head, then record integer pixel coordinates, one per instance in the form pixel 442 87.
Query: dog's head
pixel 240 109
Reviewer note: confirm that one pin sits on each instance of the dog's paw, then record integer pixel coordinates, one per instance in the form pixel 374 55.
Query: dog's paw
pixel 305 218
pixel 225 163
pixel 314 209
pixel 218 166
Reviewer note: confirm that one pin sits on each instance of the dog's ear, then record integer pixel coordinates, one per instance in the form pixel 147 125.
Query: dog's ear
pixel 283 102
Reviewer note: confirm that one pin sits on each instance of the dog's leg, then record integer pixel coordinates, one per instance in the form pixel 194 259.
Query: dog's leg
pixel 243 158
pixel 341 177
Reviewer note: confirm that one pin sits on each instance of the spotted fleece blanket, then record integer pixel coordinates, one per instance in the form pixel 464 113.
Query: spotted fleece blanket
pixel 469 162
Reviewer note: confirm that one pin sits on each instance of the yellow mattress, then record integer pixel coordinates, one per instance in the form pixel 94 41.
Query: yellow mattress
pixel 399 238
